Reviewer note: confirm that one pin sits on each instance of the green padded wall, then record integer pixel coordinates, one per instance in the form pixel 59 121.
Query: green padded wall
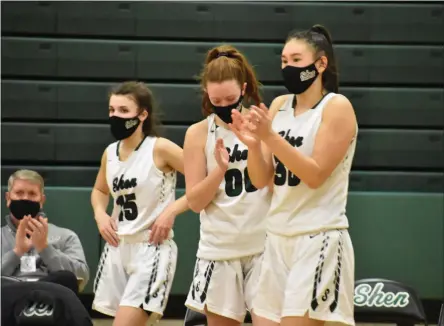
pixel 400 237
pixel 395 235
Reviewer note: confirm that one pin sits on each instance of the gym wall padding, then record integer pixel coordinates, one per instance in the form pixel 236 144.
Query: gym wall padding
pixel 179 61
pixel 387 230
pixel 59 60
pixel 84 102
pixel 380 148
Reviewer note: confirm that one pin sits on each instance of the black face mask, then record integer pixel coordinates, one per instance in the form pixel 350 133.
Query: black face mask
pixel 122 128
pixel 298 79
pixel 20 208
pixel 224 112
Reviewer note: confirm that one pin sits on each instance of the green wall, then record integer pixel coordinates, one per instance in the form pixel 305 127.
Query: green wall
pixel 397 236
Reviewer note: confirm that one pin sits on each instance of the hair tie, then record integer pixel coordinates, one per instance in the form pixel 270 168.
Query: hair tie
pixel 224 54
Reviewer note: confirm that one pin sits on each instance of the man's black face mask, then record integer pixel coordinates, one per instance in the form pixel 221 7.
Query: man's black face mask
pixel 22 207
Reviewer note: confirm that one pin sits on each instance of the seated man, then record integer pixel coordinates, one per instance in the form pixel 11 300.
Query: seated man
pixel 32 248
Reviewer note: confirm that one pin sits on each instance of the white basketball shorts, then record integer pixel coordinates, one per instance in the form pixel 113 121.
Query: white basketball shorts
pixel 311 274
pixel 135 274
pixel 225 287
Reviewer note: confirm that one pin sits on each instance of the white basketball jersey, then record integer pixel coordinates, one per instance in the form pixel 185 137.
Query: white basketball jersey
pixel 139 189
pixel 233 224
pixel 295 208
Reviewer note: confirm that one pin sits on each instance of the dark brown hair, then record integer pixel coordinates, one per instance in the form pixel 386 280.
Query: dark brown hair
pixel 320 40
pixel 223 63
pixel 142 95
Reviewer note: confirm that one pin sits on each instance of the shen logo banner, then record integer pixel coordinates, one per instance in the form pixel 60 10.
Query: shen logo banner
pixel 366 296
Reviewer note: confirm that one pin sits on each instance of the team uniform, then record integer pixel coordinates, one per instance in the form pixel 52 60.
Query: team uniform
pixel 136 273
pixel 232 235
pixel 308 263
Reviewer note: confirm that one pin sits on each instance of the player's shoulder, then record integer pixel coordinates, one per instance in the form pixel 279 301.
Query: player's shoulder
pixel 164 145
pixel 198 129
pixel 278 102
pixel 161 142
pixel 338 104
pixel 111 147
pixel 113 144
pixel 196 134
pixel 339 109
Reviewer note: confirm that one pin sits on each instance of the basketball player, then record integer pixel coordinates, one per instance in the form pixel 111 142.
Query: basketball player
pixel 307 275
pixel 232 210
pixel 138 262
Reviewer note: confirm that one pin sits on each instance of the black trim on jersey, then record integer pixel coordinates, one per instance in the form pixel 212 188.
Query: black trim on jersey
pixel 135 149
pixel 337 280
pixel 317 277
pixel 213 126
pixel 167 278
pixel 293 105
pixel 196 274
pixel 208 274
pixel 100 268
pixel 140 144
pixel 154 271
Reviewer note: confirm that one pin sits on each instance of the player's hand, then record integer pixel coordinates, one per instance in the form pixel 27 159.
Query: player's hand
pixel 221 155
pixel 260 121
pixel 243 129
pixel 39 228
pixel 162 227
pixel 23 241
pixel 108 229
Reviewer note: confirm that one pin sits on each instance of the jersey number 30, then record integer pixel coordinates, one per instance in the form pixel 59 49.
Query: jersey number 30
pixel 282 175
pixel 128 207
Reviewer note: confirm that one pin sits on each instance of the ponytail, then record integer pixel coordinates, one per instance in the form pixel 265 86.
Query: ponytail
pixel 223 63
pixel 323 31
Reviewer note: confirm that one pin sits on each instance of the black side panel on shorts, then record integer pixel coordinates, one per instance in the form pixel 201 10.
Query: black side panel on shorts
pixel 199 290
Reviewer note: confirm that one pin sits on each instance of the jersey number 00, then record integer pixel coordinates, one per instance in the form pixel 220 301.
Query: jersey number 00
pixel 234 180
